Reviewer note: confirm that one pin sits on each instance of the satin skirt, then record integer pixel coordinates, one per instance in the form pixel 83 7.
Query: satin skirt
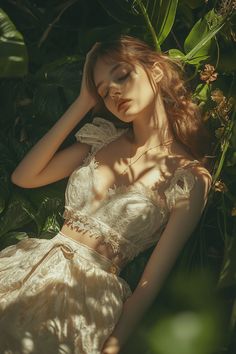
pixel 57 297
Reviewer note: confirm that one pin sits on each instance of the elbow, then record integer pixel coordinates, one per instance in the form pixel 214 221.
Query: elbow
pixel 19 181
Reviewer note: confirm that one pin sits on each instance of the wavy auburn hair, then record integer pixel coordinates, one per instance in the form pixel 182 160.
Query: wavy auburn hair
pixel 183 114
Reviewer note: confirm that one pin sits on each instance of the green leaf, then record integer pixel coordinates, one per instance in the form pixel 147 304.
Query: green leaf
pixel 48 201
pixel 166 19
pixel 176 53
pixel 46 215
pixel 199 43
pixel 19 213
pixel 159 17
pixel 13 52
pixel 202 92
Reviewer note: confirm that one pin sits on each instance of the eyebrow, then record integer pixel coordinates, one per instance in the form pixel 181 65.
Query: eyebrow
pixel 111 71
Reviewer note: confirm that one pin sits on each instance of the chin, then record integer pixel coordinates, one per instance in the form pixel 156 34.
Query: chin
pixel 127 118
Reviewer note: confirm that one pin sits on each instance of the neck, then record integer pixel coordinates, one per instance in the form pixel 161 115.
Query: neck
pixel 151 127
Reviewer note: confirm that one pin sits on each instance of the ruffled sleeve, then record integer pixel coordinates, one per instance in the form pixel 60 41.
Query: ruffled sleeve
pixel 98 133
pixel 180 185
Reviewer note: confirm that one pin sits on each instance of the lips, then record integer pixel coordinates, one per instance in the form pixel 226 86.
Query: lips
pixel 121 103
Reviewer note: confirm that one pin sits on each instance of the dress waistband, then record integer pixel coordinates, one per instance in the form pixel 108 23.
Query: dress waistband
pixel 89 254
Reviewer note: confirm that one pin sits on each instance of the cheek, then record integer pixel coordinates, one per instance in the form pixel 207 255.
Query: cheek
pixel 144 94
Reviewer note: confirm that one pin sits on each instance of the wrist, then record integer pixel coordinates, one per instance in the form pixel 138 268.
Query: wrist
pixel 86 101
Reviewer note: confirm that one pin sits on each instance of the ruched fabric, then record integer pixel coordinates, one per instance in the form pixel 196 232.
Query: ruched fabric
pixel 57 296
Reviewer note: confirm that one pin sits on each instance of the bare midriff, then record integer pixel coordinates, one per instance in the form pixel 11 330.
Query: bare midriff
pixel 83 237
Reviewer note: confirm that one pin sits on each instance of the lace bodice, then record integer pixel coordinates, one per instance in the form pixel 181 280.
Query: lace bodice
pixel 130 219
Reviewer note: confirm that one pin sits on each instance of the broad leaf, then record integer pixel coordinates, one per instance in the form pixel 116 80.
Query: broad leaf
pixel 13 52
pixel 18 213
pixel 166 19
pixel 159 17
pixel 48 201
pixel 202 92
pixel 176 53
pixel 199 43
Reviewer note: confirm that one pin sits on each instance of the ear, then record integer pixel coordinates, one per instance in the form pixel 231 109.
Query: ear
pixel 157 73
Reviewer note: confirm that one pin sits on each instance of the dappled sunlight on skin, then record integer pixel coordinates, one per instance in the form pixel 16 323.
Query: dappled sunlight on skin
pixel 144 284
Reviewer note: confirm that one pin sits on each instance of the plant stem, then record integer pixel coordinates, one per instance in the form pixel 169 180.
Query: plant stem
pixel 222 158
pixel 149 25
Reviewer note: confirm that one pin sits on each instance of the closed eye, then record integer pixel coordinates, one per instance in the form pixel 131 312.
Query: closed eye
pixel 119 79
pixel 122 78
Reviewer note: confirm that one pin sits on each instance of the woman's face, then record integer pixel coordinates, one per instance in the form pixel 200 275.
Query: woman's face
pixel 125 89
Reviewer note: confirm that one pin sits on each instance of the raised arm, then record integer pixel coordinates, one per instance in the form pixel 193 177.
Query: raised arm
pixel 42 165
pixel 183 220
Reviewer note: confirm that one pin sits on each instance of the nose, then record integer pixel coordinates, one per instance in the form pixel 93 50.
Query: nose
pixel 114 92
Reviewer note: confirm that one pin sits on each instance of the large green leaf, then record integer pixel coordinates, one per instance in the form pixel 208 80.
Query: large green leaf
pixel 13 52
pixel 18 213
pixel 159 16
pixel 165 20
pixel 199 43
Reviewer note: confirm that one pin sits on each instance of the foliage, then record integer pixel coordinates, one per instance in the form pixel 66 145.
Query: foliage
pixel 42 50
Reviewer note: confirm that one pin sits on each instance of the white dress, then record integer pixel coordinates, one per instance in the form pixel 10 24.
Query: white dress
pixel 59 296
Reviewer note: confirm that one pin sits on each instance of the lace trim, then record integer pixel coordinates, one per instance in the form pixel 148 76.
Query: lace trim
pixel 98 133
pixel 79 221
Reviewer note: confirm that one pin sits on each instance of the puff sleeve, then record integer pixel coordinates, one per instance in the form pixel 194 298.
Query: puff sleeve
pixel 181 185
pixel 97 133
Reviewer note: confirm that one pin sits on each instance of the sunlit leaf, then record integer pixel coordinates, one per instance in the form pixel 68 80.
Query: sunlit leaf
pixel 202 92
pixel 198 44
pixel 13 52
pixel 159 17
pixel 166 19
pixel 176 53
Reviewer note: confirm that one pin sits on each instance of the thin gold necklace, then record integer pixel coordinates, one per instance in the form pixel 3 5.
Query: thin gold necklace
pixel 131 163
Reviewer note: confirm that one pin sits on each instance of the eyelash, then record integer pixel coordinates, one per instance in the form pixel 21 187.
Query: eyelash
pixel 120 79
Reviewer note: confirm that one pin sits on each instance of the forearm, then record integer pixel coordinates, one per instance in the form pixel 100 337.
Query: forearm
pixel 156 271
pixel 46 147
pixel 133 311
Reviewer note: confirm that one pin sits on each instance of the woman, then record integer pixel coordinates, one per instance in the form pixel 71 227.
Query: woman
pixel 130 188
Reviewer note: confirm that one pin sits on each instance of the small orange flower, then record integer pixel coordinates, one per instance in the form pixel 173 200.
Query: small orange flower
pixel 208 74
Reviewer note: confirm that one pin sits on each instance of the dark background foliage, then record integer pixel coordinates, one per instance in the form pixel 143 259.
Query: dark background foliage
pixel 42 50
